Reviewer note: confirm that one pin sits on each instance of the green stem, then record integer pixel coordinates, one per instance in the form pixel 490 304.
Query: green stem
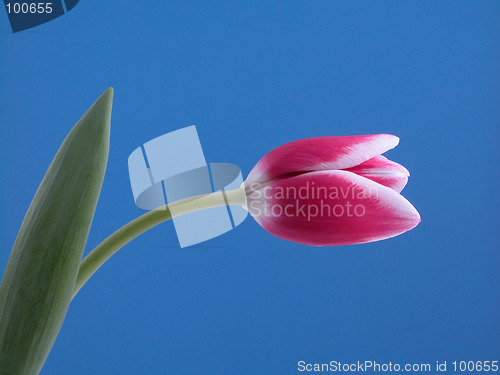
pixel 97 257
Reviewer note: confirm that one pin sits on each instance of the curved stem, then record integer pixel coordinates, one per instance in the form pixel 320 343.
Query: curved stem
pixel 97 257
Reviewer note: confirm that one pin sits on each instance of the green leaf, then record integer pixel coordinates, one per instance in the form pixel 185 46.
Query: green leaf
pixel 39 279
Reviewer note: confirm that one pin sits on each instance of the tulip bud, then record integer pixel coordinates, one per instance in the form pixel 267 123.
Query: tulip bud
pixel 331 191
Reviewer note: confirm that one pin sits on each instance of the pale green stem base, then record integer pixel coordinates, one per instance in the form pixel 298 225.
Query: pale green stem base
pixel 97 257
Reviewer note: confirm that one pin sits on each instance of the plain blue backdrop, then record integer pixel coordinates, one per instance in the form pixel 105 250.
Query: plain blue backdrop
pixel 252 76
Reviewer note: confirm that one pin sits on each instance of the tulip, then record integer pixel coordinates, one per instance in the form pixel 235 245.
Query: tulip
pixel 331 191
pixel 317 191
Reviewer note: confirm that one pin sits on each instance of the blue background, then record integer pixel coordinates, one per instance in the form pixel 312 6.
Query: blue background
pixel 252 76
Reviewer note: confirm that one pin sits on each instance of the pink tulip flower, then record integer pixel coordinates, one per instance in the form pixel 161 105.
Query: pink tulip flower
pixel 331 191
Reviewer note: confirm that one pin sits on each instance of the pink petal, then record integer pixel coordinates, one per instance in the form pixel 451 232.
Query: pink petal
pixel 383 171
pixel 329 208
pixel 316 154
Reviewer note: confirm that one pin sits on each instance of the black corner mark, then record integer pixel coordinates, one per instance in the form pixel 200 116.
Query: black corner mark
pixel 27 14
pixel 70 4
